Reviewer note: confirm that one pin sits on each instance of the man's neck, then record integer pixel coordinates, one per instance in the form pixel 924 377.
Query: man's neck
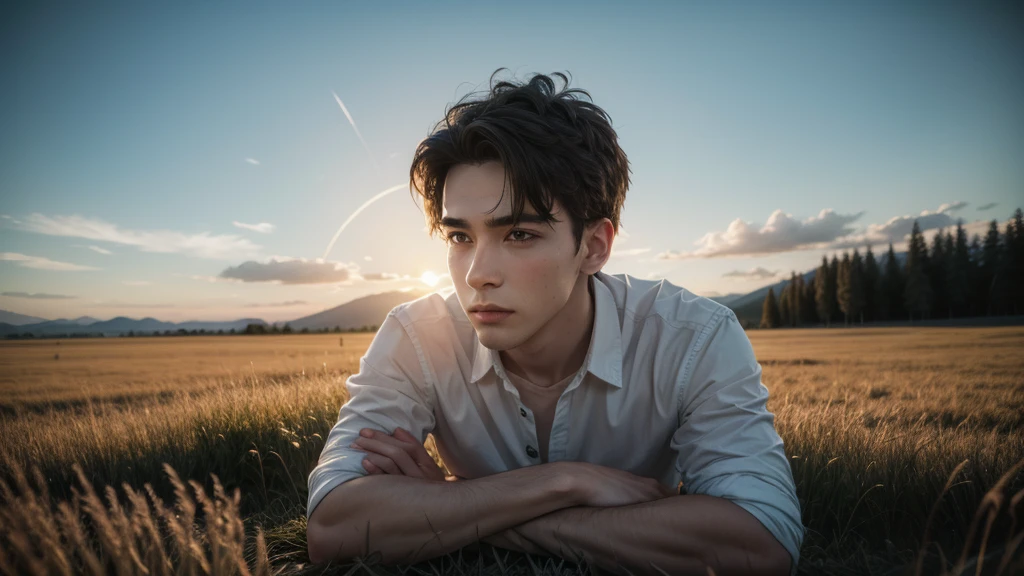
pixel 561 346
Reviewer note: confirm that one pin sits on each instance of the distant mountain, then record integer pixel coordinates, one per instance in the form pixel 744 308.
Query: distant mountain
pixel 726 299
pixel 120 325
pixel 360 312
pixel 368 310
pixel 83 320
pixel 15 319
pixel 748 306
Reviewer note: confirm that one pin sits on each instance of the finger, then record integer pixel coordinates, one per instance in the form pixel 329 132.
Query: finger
pixel 397 454
pixel 389 438
pixel 382 463
pixel 369 467
pixel 419 453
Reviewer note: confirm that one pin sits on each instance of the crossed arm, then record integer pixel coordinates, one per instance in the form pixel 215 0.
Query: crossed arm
pixel 679 534
pixel 684 534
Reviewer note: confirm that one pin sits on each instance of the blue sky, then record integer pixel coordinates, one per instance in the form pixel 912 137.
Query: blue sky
pixel 135 137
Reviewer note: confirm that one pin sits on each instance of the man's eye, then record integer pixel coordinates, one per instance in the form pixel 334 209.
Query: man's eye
pixel 451 237
pixel 531 236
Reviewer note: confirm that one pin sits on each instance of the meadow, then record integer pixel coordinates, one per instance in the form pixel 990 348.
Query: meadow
pixel 189 455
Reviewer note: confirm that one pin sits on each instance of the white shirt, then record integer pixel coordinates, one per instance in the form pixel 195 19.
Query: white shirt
pixel 669 389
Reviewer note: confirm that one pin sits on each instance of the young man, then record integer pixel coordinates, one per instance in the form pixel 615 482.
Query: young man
pixel 568 403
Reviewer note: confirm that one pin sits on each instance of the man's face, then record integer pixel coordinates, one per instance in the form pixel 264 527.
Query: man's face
pixel 530 268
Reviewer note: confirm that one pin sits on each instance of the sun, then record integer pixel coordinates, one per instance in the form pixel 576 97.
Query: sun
pixel 429 278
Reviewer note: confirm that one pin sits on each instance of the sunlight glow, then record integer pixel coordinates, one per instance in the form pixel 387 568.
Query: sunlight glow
pixel 429 278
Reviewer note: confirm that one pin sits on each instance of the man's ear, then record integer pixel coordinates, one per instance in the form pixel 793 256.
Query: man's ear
pixel 597 238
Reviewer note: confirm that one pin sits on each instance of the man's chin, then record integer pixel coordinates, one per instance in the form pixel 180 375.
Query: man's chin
pixel 494 338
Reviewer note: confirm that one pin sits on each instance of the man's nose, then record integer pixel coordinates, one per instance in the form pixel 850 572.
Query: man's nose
pixel 485 269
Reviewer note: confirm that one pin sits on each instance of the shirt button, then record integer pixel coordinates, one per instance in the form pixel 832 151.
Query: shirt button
pixel 522 412
pixel 531 452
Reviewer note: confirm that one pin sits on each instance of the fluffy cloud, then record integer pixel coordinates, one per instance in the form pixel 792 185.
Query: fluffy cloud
pixel 37 295
pixel 758 273
pixel 629 252
pixel 383 276
pixel 262 227
pixel 41 263
pixel 896 229
pixel 289 271
pixel 203 245
pixel 781 233
pixel 96 249
pixel 826 231
pixel 278 304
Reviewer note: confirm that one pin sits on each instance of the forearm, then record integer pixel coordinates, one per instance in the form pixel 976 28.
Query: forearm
pixel 675 535
pixel 410 519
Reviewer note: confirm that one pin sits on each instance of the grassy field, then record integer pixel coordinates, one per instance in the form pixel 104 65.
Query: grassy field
pixel 190 454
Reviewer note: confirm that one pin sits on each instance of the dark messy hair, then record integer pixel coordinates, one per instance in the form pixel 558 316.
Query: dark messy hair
pixel 551 144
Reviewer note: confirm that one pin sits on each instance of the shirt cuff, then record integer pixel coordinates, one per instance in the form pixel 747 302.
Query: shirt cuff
pixel 772 505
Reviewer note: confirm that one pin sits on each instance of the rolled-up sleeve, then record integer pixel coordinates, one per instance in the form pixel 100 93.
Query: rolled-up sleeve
pixel 727 444
pixel 389 391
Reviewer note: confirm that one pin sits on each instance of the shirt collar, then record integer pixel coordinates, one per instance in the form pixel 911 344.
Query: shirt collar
pixel 604 356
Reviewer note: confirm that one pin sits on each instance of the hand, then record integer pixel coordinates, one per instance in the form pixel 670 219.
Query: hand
pixel 399 453
pixel 603 486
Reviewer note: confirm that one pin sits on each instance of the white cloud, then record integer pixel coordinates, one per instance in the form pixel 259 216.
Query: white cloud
pixel 952 206
pixel 253 161
pixel 119 304
pixel 286 270
pixel 781 233
pixel 37 295
pixel 383 276
pixel 758 273
pixel 202 245
pixel 262 227
pixel 368 258
pixel 897 229
pixel 96 249
pixel 629 252
pixel 41 263
pixel 278 304
pixel 203 278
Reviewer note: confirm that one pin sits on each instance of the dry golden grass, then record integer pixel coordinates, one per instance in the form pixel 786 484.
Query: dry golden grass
pixel 127 368
pixel 895 437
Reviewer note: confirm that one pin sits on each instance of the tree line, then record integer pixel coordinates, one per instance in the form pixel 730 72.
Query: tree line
pixel 953 278
pixel 252 328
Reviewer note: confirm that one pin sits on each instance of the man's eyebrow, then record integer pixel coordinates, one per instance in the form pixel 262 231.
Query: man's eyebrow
pixel 499 222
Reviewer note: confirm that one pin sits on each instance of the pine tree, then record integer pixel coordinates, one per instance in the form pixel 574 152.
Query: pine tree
pixel 989 264
pixel 843 288
pixel 809 314
pixel 937 275
pixel 770 311
pixel 917 292
pixel 958 272
pixel 833 275
pixel 823 288
pixel 1005 271
pixel 976 307
pixel 856 287
pixel 894 283
pixel 784 305
pixel 871 286
pixel 797 303
pixel 1016 262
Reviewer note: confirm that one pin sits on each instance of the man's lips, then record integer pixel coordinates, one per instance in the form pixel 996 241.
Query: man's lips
pixel 490 316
